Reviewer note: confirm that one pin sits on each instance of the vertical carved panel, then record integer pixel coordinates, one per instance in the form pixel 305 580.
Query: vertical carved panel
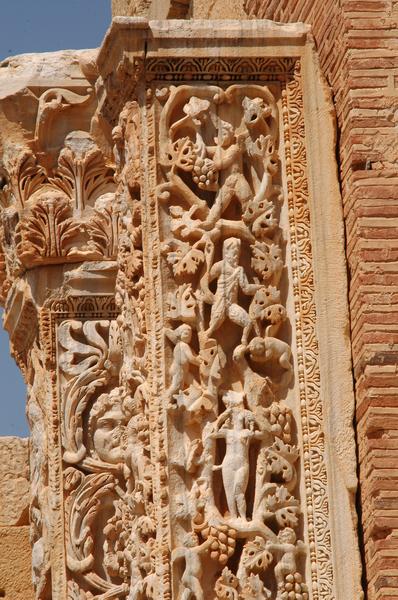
pixel 91 415
pixel 229 389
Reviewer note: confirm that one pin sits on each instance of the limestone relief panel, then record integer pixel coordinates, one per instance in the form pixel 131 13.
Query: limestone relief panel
pixel 232 437
pixel 108 536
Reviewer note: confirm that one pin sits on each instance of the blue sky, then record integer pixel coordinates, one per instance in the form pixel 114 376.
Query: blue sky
pixel 46 25
pixel 41 26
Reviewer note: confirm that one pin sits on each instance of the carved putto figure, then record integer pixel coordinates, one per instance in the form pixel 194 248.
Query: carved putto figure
pixel 191 553
pixel 183 358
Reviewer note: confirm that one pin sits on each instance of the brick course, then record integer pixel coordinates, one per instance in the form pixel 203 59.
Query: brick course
pixel 357 41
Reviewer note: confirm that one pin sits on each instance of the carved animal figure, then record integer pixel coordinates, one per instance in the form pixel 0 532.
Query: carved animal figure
pixel 255 112
pixel 183 357
pixel 271 349
pixel 264 298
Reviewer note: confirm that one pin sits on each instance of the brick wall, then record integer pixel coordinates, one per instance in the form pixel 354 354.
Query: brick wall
pixel 357 42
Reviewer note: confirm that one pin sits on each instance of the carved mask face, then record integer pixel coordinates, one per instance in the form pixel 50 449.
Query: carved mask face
pixel 107 435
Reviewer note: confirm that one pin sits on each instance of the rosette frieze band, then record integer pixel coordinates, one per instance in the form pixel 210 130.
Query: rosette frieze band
pixel 168 214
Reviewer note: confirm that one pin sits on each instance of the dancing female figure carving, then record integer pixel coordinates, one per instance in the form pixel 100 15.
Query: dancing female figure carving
pixel 238 429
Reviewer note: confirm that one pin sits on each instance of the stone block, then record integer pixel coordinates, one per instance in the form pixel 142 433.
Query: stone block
pixel 15 564
pixel 14 481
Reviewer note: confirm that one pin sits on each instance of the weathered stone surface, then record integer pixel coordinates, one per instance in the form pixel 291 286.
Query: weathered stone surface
pixel 15 564
pixel 180 9
pixel 14 481
pixel 218 9
pixel 188 371
pixel 153 9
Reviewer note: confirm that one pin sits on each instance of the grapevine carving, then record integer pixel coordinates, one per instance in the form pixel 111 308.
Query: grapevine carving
pixel 230 367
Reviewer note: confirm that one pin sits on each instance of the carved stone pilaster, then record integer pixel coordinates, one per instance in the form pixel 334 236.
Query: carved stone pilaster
pixel 59 229
pixel 182 392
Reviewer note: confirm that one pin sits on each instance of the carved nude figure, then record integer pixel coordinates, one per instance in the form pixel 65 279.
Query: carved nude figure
pixel 231 278
pixel 237 428
pixel 192 575
pixel 183 357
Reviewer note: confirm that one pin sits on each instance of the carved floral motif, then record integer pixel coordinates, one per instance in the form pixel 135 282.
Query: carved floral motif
pixel 65 215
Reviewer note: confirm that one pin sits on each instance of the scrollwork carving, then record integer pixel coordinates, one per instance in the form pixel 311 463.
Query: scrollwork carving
pixel 86 364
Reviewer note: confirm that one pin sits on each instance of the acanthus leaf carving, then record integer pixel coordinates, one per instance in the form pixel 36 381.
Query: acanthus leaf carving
pixel 82 172
pixel 86 367
pixel 59 214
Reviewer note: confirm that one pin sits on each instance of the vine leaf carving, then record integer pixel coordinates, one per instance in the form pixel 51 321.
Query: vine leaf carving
pixel 185 260
pixel 254 589
pixel 267 261
pixel 256 558
pixel 227 586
